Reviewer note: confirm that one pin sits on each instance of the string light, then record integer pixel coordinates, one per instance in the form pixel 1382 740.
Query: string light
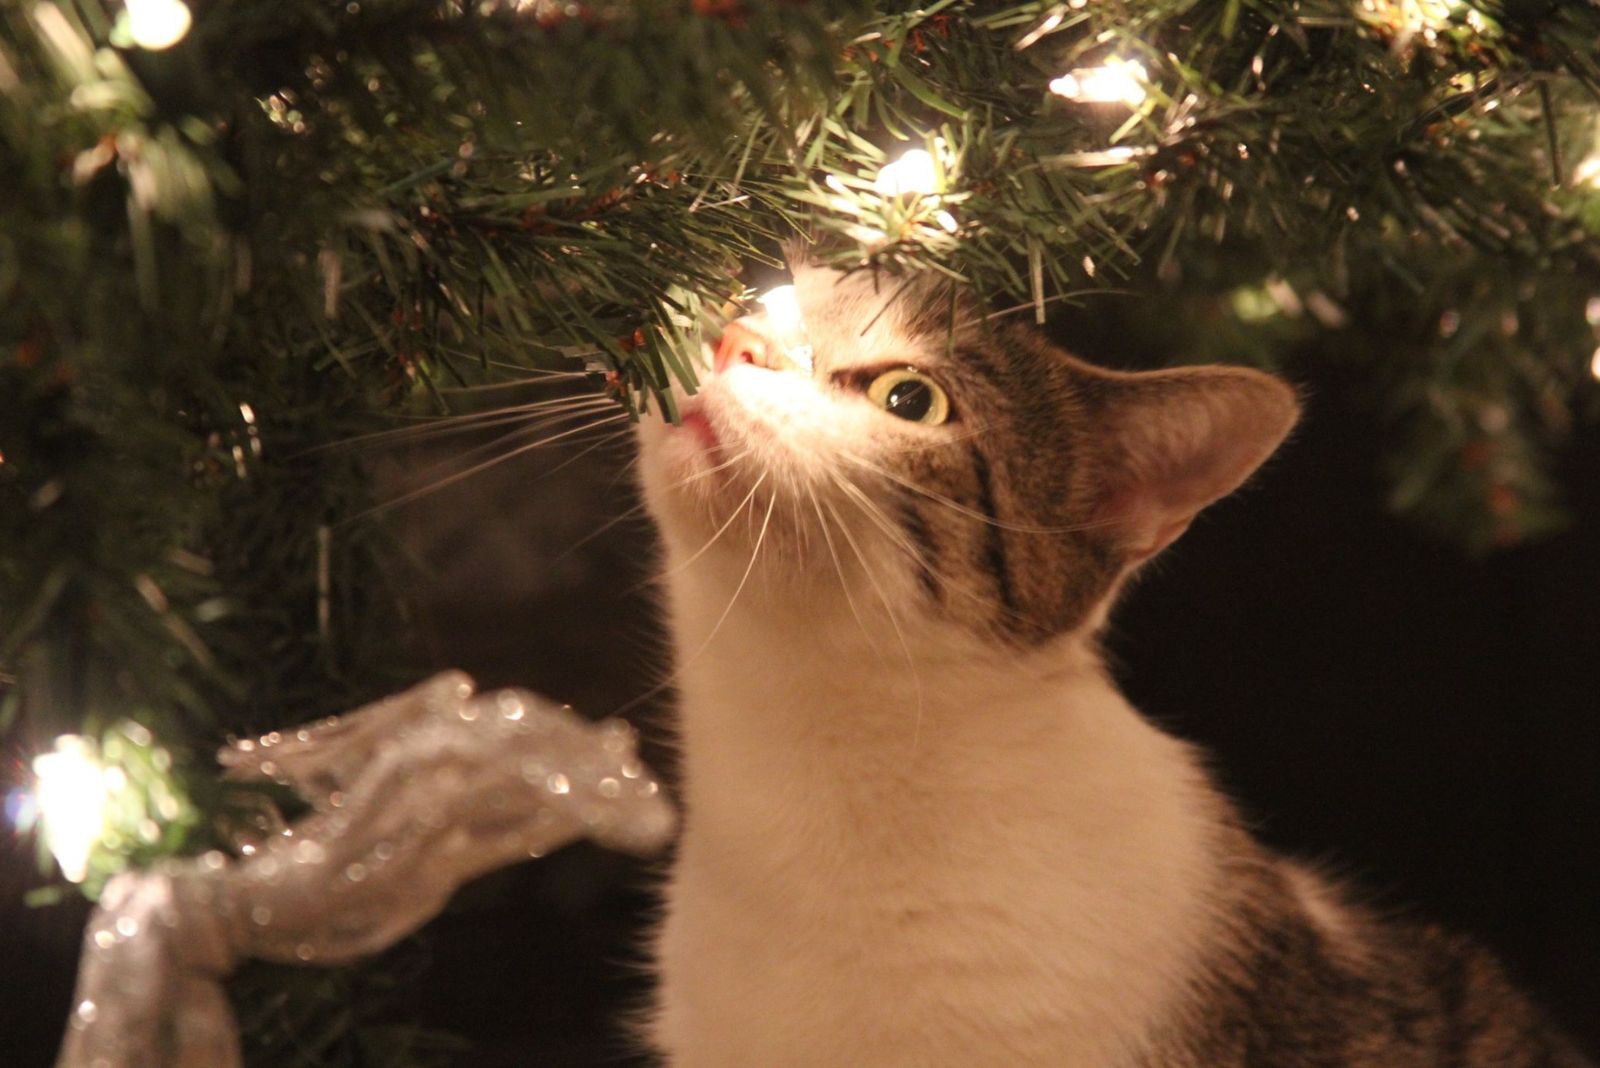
pixel 1594 364
pixel 915 172
pixel 1118 81
pixel 782 306
pixel 158 24
pixel 1429 14
pixel 71 793
pixel 1587 172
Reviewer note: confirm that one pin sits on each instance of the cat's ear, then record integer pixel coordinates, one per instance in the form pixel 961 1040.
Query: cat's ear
pixel 1175 441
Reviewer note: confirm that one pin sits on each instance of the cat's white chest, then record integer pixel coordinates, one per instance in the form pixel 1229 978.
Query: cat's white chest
pixel 1024 891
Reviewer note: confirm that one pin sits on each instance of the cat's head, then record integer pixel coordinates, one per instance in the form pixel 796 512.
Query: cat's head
pixel 950 470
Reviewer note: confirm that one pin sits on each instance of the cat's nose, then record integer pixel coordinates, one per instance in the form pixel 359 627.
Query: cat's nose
pixel 741 344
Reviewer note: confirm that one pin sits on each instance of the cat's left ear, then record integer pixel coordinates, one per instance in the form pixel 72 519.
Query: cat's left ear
pixel 1175 441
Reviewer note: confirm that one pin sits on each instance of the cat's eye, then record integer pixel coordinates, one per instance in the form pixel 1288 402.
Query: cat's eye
pixel 910 395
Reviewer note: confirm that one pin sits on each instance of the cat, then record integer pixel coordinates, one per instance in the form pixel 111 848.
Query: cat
pixel 922 827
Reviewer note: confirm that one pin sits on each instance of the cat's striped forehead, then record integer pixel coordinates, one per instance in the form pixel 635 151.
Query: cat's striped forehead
pixel 867 316
pixel 995 517
pixel 1015 517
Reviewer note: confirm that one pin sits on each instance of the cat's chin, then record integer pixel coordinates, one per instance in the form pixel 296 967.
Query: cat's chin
pixel 680 461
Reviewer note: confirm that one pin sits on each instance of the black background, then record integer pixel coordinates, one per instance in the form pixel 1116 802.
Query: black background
pixel 1423 723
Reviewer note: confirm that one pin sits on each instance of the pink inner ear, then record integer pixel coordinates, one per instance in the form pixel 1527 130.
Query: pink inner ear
pixel 1178 440
pixel 1146 526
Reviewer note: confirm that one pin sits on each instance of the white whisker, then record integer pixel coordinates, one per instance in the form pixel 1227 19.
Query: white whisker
pixel 838 568
pixel 743 579
pixel 423 491
pixel 536 377
pixel 723 528
pixel 894 622
pixel 957 506
pixel 537 426
pixel 439 425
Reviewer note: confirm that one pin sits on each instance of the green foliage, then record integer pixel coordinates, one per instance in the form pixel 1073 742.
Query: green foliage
pixel 309 218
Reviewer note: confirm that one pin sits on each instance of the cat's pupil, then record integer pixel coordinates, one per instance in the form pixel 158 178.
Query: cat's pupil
pixel 910 399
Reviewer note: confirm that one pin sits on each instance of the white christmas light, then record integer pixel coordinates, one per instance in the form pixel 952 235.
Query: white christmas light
pixel 1594 364
pixel 1429 14
pixel 788 329
pixel 71 793
pixel 782 307
pixel 914 172
pixel 1587 172
pixel 158 24
pixel 1119 81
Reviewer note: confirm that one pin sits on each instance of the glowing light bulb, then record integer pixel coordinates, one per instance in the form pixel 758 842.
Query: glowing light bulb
pixel 914 172
pixel 71 796
pixel 782 308
pixel 1119 81
pixel 1587 172
pixel 1594 364
pixel 158 24
pixel 1430 14
pixel 787 327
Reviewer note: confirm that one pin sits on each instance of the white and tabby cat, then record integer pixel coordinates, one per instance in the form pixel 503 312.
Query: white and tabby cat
pixel 922 826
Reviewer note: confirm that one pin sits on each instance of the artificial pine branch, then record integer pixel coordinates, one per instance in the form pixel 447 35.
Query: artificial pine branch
pixel 306 217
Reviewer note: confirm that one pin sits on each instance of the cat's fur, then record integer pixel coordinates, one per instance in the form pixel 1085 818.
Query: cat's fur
pixel 922 826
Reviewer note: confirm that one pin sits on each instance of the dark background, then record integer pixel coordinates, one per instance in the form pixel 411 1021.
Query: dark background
pixel 1424 723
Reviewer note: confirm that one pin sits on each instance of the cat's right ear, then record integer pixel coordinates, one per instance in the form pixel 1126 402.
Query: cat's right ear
pixel 1174 441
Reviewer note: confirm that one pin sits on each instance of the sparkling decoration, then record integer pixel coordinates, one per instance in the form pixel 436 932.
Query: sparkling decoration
pixel 158 24
pixel 70 795
pixel 1119 81
pixel 411 797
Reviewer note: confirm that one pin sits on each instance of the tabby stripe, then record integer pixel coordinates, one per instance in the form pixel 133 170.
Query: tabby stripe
pixel 911 518
pixel 995 551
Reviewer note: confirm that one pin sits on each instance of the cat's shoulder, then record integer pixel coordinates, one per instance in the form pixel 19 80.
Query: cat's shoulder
pixel 1307 976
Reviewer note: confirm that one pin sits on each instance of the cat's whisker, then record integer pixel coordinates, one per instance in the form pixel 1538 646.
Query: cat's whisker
pixel 684 663
pixel 739 509
pixel 744 579
pixel 535 377
pixel 423 491
pixel 970 513
pixel 712 541
pixel 506 411
pixel 894 623
pixel 443 425
pixel 723 466
pixel 536 426
pixel 875 515
pixel 1069 295
pixel 899 540
pixel 636 513
pixel 838 568
pixel 605 439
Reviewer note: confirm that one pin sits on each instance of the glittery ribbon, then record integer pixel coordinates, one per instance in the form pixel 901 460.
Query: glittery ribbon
pixel 411 797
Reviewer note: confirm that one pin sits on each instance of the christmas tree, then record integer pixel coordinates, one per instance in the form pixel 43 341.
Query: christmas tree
pixel 241 241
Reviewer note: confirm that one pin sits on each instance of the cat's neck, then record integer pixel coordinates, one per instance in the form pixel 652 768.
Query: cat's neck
pixel 837 792
pixel 825 702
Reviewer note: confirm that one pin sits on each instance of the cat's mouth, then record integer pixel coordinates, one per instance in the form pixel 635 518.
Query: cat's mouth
pixel 694 420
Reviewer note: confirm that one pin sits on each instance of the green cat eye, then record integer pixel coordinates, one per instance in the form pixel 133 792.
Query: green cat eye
pixel 910 395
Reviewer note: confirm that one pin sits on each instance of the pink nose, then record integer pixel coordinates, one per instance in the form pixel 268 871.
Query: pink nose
pixel 740 344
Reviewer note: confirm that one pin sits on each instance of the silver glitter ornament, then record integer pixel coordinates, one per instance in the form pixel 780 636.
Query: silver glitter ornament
pixel 411 797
